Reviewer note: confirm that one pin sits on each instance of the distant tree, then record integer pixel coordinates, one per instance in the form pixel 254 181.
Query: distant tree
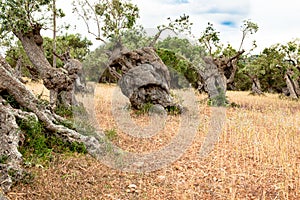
pixel 285 59
pixel 132 39
pixel 111 17
pixel 277 68
pixel 254 69
pixel 182 46
pixel 78 47
pixel 263 71
pixel 221 65
pixel 179 25
pixel 291 67
pixel 95 66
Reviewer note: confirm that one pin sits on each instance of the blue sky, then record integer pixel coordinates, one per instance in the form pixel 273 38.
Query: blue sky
pixel 278 20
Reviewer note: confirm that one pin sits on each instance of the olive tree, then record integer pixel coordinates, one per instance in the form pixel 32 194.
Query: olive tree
pixel 142 75
pixel 111 17
pixel 24 19
pixel 219 68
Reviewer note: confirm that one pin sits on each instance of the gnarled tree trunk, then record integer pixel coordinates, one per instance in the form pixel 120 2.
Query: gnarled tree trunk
pixel 292 84
pixel 10 135
pixel 216 74
pixel 59 81
pixel 214 82
pixel 256 88
pixel 143 77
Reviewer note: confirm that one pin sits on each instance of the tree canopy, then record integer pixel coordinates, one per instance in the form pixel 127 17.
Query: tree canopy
pixel 112 17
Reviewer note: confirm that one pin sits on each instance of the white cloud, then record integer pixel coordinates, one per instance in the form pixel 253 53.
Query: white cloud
pixel 201 12
pixel 277 20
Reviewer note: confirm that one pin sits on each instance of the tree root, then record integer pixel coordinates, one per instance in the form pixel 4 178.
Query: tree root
pixel 11 135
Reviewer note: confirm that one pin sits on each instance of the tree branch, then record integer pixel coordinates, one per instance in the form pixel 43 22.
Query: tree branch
pixel 157 35
pixel 236 56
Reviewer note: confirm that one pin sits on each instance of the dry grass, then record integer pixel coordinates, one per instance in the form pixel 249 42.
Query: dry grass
pixel 257 157
pixel 38 88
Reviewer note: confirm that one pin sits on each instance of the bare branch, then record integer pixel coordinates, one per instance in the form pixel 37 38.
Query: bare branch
pixel 157 35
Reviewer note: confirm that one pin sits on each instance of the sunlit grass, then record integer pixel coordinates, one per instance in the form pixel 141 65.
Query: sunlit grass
pixel 257 157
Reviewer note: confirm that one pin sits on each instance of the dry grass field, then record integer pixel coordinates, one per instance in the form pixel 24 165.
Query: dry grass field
pixel 257 157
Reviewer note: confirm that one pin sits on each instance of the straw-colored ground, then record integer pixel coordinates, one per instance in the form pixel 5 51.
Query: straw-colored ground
pixel 257 157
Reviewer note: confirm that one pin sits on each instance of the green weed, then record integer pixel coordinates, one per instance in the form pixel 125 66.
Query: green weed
pixel 3 159
pixel 144 109
pixel 111 134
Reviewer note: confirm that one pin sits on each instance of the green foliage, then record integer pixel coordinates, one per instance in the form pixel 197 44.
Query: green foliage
pixel 13 53
pixel 179 25
pixel 144 109
pixel 64 111
pixel 180 65
pixel 132 39
pixel 39 145
pixel 242 81
pixel 111 134
pixel 78 46
pixel 181 46
pixel 173 110
pixel 9 99
pixel 270 67
pixel 95 63
pixel 248 28
pixel 3 159
pixel 20 15
pixel 210 39
pixel 116 15
pixel 229 51
pixel 182 24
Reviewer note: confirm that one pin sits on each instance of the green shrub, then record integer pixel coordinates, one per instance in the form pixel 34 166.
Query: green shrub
pixel 39 144
pixel 179 64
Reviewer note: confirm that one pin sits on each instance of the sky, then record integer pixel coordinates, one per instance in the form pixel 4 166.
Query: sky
pixel 278 21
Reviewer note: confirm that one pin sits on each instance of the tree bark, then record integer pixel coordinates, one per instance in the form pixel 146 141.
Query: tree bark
pixel 214 82
pixel 256 88
pixel 217 73
pixel 10 132
pixel 292 84
pixel 59 81
pixel 11 158
pixel 143 77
